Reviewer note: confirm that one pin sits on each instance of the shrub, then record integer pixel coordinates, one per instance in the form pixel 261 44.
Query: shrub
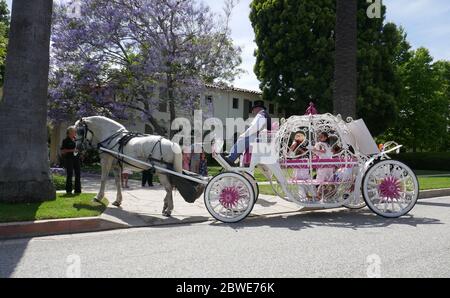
pixel 90 157
pixel 59 182
pixel 438 161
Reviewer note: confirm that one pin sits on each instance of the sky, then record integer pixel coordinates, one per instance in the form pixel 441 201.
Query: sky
pixel 427 23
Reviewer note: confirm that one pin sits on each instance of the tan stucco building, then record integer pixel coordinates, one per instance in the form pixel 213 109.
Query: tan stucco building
pixel 217 101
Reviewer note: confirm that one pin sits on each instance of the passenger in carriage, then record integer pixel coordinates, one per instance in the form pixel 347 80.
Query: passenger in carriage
pixel 343 173
pixel 298 148
pixel 323 151
pixel 336 149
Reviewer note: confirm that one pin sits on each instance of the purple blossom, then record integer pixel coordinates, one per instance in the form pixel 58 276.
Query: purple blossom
pixel 110 60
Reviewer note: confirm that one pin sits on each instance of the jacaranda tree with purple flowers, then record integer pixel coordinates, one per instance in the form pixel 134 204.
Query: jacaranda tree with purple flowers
pixel 111 57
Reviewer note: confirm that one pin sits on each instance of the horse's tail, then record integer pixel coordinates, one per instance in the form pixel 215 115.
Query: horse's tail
pixel 189 190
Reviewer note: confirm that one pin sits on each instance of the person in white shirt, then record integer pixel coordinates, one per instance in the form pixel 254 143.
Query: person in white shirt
pixel 261 121
pixel 323 151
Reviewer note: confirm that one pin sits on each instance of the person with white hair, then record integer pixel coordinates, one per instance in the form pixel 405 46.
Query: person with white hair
pixel 71 160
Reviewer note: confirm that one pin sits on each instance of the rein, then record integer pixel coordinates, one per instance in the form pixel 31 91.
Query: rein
pixel 126 137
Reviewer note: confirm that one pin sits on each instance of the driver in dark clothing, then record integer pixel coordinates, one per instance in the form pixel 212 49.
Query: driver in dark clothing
pixel 71 161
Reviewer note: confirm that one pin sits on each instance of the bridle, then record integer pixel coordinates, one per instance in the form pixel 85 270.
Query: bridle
pixel 110 143
pixel 83 131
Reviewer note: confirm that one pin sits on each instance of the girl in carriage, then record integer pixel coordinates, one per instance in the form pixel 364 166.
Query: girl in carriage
pixel 299 148
pixel 323 151
pixel 343 173
pixel 324 172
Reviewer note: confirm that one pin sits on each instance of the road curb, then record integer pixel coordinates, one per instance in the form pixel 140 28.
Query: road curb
pixel 56 227
pixel 434 193
pixel 98 224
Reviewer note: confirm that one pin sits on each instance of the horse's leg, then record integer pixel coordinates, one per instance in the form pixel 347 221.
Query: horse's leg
pixel 168 199
pixel 117 177
pixel 106 163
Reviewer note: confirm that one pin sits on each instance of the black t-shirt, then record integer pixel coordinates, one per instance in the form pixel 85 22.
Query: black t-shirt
pixel 69 144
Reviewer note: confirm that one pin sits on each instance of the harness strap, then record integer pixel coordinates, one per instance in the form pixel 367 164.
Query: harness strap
pixel 150 156
pixel 122 142
pixel 111 138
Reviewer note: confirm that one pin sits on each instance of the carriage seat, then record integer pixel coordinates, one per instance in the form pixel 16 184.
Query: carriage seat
pixel 318 163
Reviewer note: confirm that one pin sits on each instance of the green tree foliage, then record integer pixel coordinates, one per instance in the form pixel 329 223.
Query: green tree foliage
pixel 295 57
pixel 4 29
pixel 295 51
pixel 423 119
pixel 443 71
pixel 381 49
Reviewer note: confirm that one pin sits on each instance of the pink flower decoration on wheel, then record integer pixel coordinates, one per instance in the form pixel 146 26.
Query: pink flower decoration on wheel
pixel 229 197
pixel 390 188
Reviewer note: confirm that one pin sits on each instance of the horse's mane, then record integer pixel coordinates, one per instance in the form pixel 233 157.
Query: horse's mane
pixel 102 118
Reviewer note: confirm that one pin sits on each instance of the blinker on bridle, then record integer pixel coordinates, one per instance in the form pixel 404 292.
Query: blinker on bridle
pixel 83 131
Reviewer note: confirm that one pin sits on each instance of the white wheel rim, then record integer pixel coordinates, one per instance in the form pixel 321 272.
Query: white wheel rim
pixel 391 189
pixel 229 197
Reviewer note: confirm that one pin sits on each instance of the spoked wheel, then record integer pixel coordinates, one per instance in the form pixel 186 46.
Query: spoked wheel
pixel 390 189
pixel 229 197
pixel 255 185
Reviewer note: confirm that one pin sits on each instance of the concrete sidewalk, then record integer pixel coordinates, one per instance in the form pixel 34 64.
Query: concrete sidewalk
pixel 143 206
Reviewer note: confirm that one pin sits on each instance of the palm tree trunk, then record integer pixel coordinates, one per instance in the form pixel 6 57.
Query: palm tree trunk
pixel 24 166
pixel 345 72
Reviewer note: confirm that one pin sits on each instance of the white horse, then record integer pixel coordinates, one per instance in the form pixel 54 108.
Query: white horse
pixel 102 132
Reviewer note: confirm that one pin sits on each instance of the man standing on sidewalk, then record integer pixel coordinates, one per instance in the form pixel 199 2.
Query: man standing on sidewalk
pixel 71 160
pixel 147 178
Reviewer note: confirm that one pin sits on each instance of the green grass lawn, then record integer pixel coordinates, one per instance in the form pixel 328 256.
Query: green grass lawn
pixel 213 171
pixel 65 206
pixel 425 183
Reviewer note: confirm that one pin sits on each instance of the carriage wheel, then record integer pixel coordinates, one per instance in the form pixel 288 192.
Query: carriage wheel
pixel 229 197
pixel 390 188
pixel 255 185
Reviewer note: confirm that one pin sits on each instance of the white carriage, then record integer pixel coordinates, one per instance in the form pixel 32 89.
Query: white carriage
pixel 345 169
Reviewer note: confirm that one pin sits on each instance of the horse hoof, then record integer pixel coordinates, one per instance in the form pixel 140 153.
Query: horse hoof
pixel 95 200
pixel 117 204
pixel 167 214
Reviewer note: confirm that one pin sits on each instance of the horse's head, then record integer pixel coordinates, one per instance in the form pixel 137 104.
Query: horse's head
pixel 91 131
pixel 84 134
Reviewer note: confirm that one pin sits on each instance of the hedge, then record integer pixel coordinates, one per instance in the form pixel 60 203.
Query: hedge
pixel 59 182
pixel 437 161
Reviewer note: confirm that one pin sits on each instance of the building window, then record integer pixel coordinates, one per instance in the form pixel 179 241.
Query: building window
pixel 250 106
pixel 271 108
pixel 208 99
pixel 235 103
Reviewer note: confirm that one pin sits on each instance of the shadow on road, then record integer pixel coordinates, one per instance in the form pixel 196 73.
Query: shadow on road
pixel 11 252
pixel 265 203
pixel 138 219
pixel 335 219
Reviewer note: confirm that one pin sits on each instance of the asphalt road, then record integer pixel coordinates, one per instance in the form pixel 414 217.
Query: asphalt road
pixel 337 243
